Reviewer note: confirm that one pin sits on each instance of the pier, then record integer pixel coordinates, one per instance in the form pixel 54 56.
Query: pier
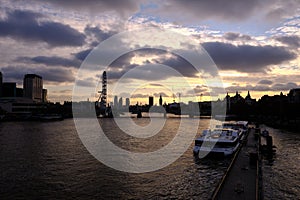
pixel 242 180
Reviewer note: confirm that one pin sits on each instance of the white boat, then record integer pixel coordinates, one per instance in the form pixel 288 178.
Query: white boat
pixel 241 126
pixel 217 142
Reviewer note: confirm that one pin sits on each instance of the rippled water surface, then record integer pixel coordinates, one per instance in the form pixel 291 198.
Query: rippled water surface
pixel 282 177
pixel 48 160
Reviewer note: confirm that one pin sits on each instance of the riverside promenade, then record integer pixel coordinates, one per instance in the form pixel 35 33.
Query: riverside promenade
pixel 242 178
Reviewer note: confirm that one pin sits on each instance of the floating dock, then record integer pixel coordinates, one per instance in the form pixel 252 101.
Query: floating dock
pixel 242 180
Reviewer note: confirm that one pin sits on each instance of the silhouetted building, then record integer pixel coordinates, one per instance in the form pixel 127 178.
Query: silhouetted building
pixel 272 100
pixel 116 101
pixel 33 86
pixel 236 99
pixel 127 102
pixel 120 105
pixel 151 101
pixel 160 100
pixel 20 107
pixel 228 102
pixel 19 92
pixel 44 95
pixel 294 95
pixel 249 100
pixel 9 89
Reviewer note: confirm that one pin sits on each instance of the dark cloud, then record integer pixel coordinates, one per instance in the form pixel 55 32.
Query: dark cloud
pixel 236 36
pixel 201 10
pixel 265 82
pixel 139 96
pixel 283 9
pixel 115 73
pixel 181 65
pixel 52 61
pixel 87 82
pixel 156 84
pixel 98 33
pixel 150 69
pixel 228 11
pixel 30 26
pixel 199 90
pixel 162 94
pixel 63 91
pixel 292 41
pixel 263 87
pixel 121 7
pixel 285 86
pixel 16 73
pixel 82 54
pixel 246 58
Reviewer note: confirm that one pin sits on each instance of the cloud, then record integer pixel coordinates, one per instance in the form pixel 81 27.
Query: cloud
pixel 199 90
pixel 162 94
pixel 30 26
pixel 236 36
pixel 263 87
pixel 292 41
pixel 265 82
pixel 87 82
pixel 284 86
pixel 98 33
pixel 181 65
pixel 225 11
pixel 281 9
pixel 246 58
pixel 67 91
pixel 229 10
pixel 139 95
pixel 149 65
pixel 82 54
pixel 123 8
pixel 58 75
pixel 51 61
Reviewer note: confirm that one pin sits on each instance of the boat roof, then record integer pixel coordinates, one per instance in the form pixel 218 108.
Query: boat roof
pixel 242 122
pixel 229 139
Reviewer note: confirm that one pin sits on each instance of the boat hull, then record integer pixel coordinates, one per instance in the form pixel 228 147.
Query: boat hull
pixel 214 152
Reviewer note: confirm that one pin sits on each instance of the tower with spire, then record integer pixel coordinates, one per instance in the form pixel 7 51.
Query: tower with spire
pixel 249 100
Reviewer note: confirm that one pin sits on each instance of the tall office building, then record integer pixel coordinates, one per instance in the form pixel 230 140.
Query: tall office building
pixel 127 102
pixel 160 100
pixel 44 95
pixel 9 89
pixel 151 101
pixel 120 105
pixel 33 87
pixel 116 101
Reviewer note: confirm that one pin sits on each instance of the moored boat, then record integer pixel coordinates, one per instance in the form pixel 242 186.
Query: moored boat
pixel 218 142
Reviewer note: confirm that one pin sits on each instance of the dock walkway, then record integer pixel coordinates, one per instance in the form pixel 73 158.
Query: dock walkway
pixel 241 179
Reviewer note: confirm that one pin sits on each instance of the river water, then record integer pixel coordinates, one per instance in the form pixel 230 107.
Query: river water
pixel 47 160
pixel 282 176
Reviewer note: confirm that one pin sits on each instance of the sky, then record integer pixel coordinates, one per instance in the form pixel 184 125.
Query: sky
pixel 254 44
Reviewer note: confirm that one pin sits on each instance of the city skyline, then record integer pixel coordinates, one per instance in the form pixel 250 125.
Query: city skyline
pixel 255 45
pixel 156 98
